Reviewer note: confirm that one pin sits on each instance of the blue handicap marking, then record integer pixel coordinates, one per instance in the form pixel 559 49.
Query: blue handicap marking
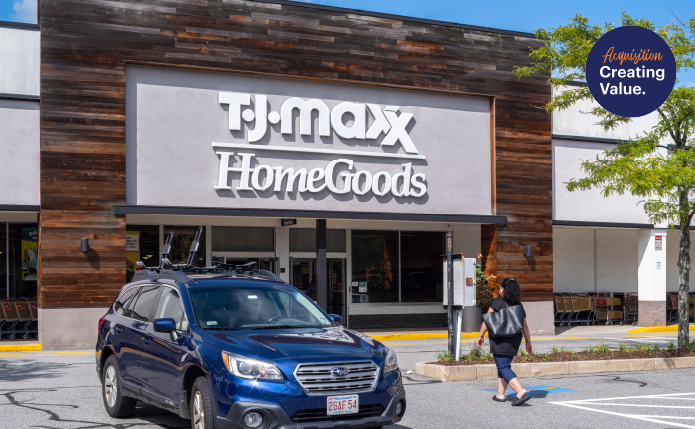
pixel 536 390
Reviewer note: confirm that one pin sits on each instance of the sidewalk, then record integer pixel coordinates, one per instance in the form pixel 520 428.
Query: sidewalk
pixel 565 332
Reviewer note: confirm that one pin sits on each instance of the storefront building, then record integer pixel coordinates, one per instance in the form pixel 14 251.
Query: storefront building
pixel 333 147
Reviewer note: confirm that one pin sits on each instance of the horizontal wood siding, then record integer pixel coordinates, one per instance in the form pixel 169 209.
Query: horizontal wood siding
pixel 86 44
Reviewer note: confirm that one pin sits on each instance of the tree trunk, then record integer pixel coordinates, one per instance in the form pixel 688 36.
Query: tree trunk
pixel 683 285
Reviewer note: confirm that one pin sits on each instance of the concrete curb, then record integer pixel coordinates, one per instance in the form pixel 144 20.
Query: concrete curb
pixel 657 329
pixel 434 335
pixel 550 369
pixel 21 348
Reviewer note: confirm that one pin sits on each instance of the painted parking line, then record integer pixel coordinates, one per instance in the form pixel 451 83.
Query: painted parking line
pixel 536 390
pixel 596 405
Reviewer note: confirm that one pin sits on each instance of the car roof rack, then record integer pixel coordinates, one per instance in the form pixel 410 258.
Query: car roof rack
pixel 178 272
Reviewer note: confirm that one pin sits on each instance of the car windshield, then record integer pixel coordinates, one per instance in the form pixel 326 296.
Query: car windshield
pixel 254 307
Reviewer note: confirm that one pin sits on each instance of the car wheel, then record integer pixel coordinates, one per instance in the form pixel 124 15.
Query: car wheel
pixel 202 408
pixel 117 405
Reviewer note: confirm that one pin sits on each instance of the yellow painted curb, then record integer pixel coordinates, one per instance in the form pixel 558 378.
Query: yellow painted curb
pixel 657 329
pixel 21 348
pixel 434 335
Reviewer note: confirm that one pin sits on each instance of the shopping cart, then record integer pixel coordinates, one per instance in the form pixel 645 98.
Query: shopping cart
pixel 630 309
pixel 604 309
pixel 11 317
pixel 671 306
pixel 559 310
pixel 581 309
pixel 25 323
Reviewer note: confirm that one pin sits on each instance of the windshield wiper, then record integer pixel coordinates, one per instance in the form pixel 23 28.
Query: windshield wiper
pixel 281 327
pixel 219 328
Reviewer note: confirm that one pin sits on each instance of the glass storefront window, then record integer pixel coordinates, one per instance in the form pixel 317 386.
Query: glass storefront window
pixel 375 266
pixel 243 239
pixel 183 236
pixel 23 257
pixel 142 244
pixel 304 240
pixel 421 266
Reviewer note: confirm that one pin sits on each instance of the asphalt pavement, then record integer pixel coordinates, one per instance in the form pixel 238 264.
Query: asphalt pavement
pixel 61 390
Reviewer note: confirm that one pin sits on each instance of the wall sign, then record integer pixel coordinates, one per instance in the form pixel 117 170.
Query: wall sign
pixel 386 121
pixel 222 140
pixel 288 222
pixel 657 242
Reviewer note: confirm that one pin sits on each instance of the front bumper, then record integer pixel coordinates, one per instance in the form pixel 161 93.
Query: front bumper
pixel 275 418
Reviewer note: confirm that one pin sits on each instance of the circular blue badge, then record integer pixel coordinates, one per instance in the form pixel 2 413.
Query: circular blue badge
pixel 630 71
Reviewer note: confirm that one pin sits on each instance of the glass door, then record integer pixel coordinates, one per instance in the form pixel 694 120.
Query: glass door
pixel 303 275
pixel 336 288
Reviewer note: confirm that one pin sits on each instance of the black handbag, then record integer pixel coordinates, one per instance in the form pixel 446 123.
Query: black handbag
pixel 506 322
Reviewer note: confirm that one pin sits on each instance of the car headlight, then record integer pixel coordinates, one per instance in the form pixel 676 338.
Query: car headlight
pixel 251 368
pixel 391 362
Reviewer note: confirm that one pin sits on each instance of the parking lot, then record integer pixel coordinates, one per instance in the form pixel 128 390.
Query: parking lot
pixel 61 390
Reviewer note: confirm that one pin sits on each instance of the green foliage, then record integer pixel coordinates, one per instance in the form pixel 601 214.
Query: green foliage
pixel 483 293
pixel 622 347
pixel 546 357
pixel 671 347
pixel 662 176
pixel 444 356
pixel 554 350
pixel 521 353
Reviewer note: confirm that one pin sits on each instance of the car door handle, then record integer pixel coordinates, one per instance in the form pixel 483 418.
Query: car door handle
pixel 146 340
pixel 119 329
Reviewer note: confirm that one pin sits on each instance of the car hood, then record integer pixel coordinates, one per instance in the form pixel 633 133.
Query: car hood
pixel 300 345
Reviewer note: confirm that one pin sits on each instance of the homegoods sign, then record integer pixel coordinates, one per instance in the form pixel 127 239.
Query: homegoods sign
pixel 221 140
pixel 348 120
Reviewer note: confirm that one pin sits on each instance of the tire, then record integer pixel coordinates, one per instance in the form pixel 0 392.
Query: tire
pixel 202 407
pixel 117 405
pixel 12 336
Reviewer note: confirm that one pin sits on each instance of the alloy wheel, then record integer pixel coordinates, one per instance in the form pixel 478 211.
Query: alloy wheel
pixel 198 412
pixel 111 386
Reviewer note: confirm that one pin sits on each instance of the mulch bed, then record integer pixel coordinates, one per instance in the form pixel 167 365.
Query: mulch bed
pixel 578 356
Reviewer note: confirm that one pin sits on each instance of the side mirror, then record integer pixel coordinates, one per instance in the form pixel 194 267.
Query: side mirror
pixel 335 318
pixel 164 326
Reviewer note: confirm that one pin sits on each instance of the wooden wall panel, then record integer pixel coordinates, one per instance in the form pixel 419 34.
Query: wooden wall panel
pixel 86 44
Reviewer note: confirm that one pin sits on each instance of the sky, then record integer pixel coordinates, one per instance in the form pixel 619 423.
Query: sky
pixel 515 15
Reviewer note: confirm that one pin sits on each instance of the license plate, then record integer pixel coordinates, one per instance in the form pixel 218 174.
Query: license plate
pixel 347 404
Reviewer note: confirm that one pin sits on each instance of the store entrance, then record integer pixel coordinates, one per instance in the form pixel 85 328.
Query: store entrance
pixel 303 277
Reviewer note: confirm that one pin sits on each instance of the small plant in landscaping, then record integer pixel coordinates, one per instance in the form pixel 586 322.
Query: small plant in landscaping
pixel 444 356
pixel 574 356
pixel 622 347
pixel 527 358
pixel 554 350
pixel 691 346
pixel 671 346
pixel 546 357
pixel 486 356
pixel 521 353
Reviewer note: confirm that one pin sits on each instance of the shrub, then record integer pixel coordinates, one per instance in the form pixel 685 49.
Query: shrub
pixel 483 293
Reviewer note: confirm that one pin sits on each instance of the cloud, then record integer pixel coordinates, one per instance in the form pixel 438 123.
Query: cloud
pixel 25 11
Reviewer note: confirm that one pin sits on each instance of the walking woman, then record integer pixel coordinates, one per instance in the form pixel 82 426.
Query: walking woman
pixel 504 349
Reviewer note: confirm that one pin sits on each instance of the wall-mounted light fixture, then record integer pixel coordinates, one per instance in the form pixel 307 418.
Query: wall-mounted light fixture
pixel 527 251
pixel 84 244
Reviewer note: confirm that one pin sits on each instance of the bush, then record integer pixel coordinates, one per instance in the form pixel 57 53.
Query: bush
pixel 483 293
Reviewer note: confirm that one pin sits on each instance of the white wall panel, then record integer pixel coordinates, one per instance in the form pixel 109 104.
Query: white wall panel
pixel 591 205
pixel 573 122
pixel 19 149
pixel 574 260
pixel 20 66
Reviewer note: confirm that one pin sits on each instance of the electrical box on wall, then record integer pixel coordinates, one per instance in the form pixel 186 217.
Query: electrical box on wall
pixel 464 282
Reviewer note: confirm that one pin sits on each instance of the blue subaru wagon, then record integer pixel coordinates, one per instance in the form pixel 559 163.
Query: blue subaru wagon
pixel 230 350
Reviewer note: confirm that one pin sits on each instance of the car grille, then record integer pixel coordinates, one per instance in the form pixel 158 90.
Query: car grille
pixel 319 414
pixel 316 378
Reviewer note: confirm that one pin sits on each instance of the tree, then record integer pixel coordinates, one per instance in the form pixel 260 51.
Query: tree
pixel 664 175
